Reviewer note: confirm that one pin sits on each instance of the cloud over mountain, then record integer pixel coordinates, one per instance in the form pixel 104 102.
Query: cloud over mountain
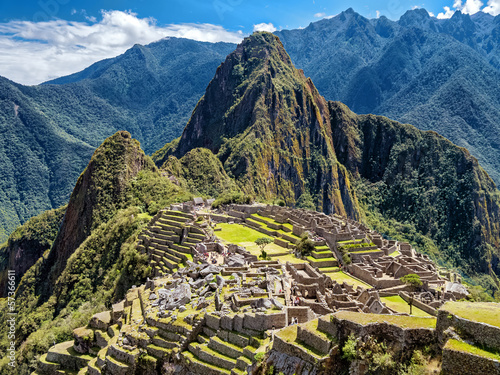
pixel 38 51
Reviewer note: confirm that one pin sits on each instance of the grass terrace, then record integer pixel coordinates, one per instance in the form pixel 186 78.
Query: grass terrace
pixel 471 349
pixel 397 320
pixel 400 305
pixel 341 277
pixel 245 236
pixel 395 254
pixel 483 312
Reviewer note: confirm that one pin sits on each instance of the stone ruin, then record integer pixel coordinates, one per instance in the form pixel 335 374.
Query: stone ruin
pixel 198 317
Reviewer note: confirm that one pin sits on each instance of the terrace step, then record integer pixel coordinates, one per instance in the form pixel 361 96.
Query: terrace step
pixel 92 368
pixel 211 356
pixel 116 367
pixel 242 363
pixel 322 263
pixel 159 341
pixel 158 351
pixel 64 353
pixel 225 348
pixel 202 367
pixel 47 367
pixel 322 254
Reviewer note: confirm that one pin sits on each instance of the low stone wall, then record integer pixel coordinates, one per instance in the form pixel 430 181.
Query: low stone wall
pixel 292 350
pixel 458 362
pixel 123 355
pixel 482 334
pixel 321 344
pixel 302 313
pixel 422 306
pixel 404 340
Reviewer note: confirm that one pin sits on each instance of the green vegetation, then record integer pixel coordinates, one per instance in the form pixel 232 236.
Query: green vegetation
pixel 400 305
pixel 305 246
pixel 104 264
pixel 397 320
pixel 262 242
pixel 476 311
pixel 382 52
pixel 246 237
pixel 30 241
pixel 52 130
pixel 412 280
pixel 471 349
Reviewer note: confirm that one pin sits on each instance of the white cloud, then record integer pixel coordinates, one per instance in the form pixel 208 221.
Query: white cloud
pixel 33 52
pixel 264 27
pixel 378 13
pixel 492 8
pixel 320 15
pixel 471 7
pixel 448 13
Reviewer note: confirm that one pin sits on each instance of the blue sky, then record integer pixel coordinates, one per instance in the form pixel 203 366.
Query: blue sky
pixel 231 14
pixel 44 39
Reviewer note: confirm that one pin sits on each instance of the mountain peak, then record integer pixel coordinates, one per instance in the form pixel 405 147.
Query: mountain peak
pixel 260 116
pixel 257 67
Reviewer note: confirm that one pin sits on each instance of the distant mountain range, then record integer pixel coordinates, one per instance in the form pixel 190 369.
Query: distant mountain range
pixel 261 129
pixel 50 131
pixel 440 75
pixel 436 74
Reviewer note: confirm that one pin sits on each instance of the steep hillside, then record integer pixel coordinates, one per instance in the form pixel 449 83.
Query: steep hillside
pixel 266 122
pixel 50 131
pixel 98 194
pixel 200 172
pixel 93 259
pixel 423 179
pixel 440 75
pixel 270 128
pixel 28 243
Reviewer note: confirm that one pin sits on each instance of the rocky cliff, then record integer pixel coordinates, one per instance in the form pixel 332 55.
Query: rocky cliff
pixel 270 128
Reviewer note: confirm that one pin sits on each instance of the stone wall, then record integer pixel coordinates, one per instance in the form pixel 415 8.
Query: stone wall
pixel 482 334
pixel 458 362
pixel 422 306
pixel 302 313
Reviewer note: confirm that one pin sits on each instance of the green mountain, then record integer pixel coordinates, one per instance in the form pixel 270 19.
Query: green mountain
pixel 87 254
pixel 270 128
pixel 440 75
pixel 278 138
pixel 273 137
pixel 50 131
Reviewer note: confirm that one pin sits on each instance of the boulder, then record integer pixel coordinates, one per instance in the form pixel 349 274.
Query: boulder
pixel 210 269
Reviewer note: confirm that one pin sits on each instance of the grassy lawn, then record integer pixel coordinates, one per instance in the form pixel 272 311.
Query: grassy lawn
pixel 395 254
pixel 245 236
pixel 288 258
pixel 467 348
pixel 340 277
pixel 483 312
pixel 398 320
pixel 399 304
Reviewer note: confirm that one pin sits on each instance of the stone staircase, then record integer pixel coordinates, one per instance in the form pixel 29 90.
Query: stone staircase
pixel 169 239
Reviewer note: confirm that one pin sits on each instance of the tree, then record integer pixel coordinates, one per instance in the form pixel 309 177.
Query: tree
pixel 262 242
pixel 305 246
pixel 412 280
pixel 306 201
